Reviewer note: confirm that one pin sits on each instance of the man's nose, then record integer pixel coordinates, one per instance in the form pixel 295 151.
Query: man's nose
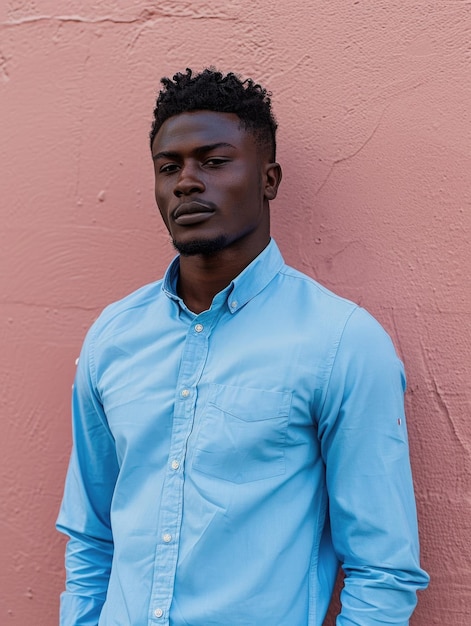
pixel 189 181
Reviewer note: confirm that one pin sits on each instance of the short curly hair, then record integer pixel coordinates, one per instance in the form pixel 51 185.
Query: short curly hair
pixel 211 90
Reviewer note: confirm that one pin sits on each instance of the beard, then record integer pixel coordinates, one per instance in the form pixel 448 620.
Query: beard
pixel 205 247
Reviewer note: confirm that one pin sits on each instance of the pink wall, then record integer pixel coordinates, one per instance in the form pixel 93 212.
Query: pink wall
pixel 373 99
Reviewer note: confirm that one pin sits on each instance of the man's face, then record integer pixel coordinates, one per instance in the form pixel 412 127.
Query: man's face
pixel 212 183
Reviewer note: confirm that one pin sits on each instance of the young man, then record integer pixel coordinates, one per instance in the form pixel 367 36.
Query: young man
pixel 238 429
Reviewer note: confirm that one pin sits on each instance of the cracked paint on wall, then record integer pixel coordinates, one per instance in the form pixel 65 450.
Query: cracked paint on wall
pixel 372 100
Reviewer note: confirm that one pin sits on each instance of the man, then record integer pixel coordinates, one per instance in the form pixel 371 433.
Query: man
pixel 238 429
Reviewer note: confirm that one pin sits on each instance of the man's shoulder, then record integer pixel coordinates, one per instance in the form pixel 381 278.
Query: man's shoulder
pixel 129 307
pixel 336 321
pixel 330 311
pixel 314 291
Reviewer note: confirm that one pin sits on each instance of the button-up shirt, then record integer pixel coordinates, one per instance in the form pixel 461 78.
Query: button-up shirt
pixel 224 463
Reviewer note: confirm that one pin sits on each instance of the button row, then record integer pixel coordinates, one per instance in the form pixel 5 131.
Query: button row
pixel 167 537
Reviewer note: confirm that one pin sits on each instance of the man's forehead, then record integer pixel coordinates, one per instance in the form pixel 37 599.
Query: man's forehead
pixel 200 127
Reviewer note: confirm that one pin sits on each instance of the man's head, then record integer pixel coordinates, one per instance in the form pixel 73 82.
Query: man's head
pixel 213 91
pixel 213 146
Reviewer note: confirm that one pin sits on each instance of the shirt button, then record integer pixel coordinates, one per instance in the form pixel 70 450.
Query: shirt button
pixel 234 304
pixel 185 393
pixel 158 612
pixel 199 328
pixel 167 537
pixel 175 464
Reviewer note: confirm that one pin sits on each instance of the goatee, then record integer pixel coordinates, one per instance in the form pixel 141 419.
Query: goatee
pixel 206 247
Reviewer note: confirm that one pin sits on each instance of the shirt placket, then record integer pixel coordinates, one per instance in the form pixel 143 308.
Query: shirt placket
pixel 192 363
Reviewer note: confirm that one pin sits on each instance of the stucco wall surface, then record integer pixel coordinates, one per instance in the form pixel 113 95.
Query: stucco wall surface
pixel 373 101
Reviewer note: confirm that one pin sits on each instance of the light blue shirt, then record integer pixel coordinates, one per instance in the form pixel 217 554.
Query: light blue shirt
pixel 224 463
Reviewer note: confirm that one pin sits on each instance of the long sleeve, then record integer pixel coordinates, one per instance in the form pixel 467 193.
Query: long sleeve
pixel 85 510
pixel 372 507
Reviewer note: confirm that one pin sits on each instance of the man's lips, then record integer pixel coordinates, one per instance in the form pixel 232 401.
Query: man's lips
pixel 189 213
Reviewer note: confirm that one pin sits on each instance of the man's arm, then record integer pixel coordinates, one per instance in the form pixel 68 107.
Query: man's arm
pixel 372 507
pixel 85 510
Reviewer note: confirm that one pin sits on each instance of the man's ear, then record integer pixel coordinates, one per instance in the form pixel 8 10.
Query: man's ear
pixel 273 175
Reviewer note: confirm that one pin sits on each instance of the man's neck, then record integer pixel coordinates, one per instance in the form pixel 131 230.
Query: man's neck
pixel 203 276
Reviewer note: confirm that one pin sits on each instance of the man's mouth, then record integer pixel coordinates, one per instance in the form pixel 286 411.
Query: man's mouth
pixel 189 213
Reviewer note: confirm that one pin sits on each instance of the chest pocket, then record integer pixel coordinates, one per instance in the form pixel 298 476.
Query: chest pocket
pixel 242 434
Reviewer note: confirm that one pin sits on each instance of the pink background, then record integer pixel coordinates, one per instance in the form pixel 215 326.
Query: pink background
pixel 373 99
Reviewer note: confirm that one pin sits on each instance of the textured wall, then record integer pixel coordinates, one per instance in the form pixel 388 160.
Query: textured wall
pixel 373 99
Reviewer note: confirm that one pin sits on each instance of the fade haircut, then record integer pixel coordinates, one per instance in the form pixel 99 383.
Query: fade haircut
pixel 211 90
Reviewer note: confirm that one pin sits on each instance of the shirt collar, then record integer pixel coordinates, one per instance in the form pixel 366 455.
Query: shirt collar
pixel 245 286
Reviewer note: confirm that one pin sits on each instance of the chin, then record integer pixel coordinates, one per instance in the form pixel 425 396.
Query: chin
pixel 206 247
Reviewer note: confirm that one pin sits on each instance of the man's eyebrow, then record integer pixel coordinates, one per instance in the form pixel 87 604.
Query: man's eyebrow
pixel 165 155
pixel 199 150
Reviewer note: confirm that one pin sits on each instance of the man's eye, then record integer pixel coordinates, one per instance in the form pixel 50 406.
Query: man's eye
pixel 168 168
pixel 216 161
